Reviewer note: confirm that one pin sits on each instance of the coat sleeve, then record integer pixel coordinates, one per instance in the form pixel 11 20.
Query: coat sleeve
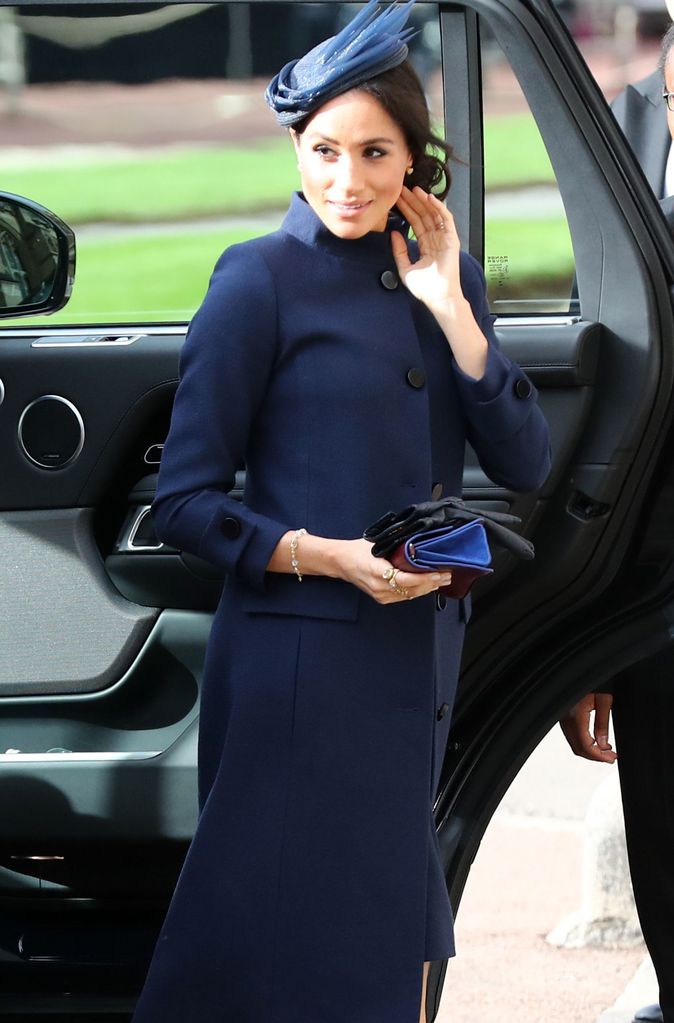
pixel 225 366
pixel 505 425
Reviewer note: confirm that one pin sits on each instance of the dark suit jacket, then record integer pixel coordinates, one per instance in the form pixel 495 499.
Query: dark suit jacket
pixel 642 115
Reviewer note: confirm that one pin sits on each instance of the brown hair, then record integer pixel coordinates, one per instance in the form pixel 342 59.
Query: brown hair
pixel 401 94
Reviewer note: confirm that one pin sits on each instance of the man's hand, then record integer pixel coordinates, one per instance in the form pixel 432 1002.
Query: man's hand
pixel 593 745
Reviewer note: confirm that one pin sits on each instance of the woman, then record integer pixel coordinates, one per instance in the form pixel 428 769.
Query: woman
pixel 347 368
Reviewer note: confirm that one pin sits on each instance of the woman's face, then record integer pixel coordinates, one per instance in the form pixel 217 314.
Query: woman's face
pixel 352 159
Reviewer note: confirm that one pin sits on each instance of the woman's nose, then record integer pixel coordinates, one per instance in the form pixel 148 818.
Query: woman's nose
pixel 349 175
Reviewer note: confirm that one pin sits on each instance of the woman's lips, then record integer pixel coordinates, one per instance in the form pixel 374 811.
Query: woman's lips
pixel 349 209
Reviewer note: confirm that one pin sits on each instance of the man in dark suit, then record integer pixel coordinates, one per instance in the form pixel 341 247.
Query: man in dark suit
pixel 643 699
pixel 648 125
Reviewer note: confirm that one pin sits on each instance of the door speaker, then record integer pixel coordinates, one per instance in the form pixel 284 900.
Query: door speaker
pixel 51 432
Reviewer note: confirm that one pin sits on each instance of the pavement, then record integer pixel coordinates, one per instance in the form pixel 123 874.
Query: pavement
pixel 526 879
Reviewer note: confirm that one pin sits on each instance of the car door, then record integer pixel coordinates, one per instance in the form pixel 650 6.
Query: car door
pixel 104 629
pixel 596 599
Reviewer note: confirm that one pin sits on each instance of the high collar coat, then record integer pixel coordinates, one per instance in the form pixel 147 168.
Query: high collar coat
pixel 313 891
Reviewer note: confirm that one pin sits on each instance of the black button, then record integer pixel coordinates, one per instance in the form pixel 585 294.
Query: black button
pixel 442 710
pixel 436 492
pixel 523 387
pixel 416 377
pixel 231 528
pixel 390 280
pixel 440 601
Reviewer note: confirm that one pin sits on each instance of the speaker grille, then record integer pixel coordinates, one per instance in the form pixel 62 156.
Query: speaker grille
pixel 51 432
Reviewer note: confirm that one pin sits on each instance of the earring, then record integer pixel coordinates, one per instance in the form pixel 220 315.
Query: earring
pixel 410 170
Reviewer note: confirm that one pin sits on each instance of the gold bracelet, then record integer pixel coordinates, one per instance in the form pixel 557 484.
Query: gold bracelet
pixel 293 552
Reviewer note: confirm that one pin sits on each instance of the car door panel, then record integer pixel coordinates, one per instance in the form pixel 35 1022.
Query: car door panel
pixel 122 759
pixel 122 413
pixel 561 360
pixel 65 628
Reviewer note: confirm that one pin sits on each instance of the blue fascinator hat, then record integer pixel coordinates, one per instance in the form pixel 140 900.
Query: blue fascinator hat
pixel 373 42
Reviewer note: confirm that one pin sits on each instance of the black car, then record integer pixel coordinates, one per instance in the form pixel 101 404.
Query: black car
pixel 103 628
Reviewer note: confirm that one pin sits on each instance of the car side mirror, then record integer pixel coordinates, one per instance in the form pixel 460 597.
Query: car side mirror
pixel 37 258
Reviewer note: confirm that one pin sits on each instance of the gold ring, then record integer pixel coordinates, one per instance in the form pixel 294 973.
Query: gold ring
pixel 388 573
pixel 401 591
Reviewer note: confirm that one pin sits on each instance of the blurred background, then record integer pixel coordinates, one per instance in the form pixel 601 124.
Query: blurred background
pixel 138 123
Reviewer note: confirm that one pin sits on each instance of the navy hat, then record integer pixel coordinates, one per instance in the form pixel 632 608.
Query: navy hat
pixel 372 43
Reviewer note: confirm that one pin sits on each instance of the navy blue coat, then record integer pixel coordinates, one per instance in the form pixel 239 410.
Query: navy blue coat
pixel 313 891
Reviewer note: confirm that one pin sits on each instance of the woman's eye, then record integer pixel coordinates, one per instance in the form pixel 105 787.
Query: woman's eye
pixel 324 151
pixel 374 152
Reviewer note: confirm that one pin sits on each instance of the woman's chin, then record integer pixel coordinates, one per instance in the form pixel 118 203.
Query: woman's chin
pixel 352 228
pixel 348 230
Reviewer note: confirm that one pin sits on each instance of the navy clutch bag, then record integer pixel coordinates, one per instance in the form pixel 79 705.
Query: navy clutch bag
pixel 445 535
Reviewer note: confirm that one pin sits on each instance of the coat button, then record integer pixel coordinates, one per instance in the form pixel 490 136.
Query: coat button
pixel 416 377
pixel 440 602
pixel 523 387
pixel 390 280
pixel 436 492
pixel 442 710
pixel 231 528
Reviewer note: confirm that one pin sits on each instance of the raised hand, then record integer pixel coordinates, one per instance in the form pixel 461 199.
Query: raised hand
pixel 435 277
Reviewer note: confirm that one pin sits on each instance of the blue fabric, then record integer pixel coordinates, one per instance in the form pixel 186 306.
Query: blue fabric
pixel 465 545
pixel 313 889
pixel 373 42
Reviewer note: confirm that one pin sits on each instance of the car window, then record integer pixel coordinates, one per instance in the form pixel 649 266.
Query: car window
pixel 529 262
pixel 147 131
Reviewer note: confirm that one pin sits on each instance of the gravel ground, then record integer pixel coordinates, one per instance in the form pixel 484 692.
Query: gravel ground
pixel 523 882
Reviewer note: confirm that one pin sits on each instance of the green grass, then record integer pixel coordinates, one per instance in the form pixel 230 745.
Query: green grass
pixel 142 278
pixel 533 248
pixel 514 154
pixel 160 186
pixel 183 184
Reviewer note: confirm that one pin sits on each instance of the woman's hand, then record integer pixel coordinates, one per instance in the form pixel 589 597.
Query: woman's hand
pixel 378 578
pixel 435 277
pixel 353 561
